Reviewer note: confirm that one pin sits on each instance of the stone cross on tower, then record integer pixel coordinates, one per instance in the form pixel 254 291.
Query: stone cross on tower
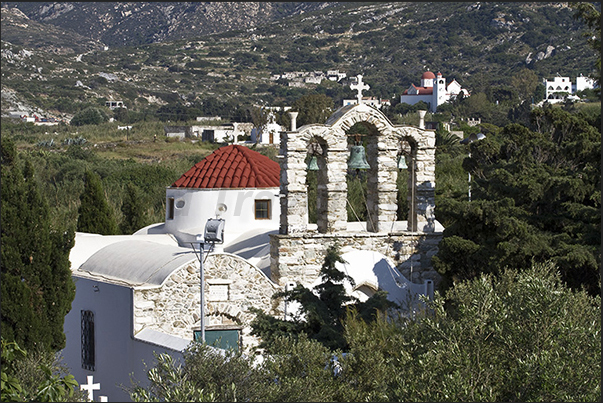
pixel 359 86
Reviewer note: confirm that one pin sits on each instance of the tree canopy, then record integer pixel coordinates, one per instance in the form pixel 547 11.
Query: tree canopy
pixel 133 209
pixel 89 116
pixel 37 289
pixel 321 310
pixel 312 108
pixel 536 196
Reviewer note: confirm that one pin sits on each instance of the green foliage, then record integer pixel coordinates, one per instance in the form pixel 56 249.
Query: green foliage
pixel 312 108
pixel 300 370
pixel 169 383
pixel 37 288
pixel 89 116
pixel 36 377
pixel 536 196
pixel 94 214
pixel 519 336
pixel 525 82
pixel 356 196
pixel 522 336
pixel 591 16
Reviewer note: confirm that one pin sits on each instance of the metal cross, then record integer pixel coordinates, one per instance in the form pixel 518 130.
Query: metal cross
pixel 359 86
pixel 90 387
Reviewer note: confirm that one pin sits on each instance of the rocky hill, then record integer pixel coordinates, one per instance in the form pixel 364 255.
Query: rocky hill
pixel 137 23
pixel 62 57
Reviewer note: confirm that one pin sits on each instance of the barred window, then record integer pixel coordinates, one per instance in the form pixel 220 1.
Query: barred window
pixel 262 209
pixel 88 340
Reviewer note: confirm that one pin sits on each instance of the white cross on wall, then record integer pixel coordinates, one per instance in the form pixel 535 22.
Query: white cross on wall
pixel 359 86
pixel 90 387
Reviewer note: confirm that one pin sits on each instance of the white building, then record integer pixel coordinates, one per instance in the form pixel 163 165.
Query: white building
pixel 560 88
pixel 335 75
pixel 227 133
pixel 372 101
pixel 114 104
pixel 433 91
pixel 141 293
pixel 269 132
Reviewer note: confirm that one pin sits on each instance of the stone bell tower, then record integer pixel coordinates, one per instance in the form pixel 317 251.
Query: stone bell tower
pixel 298 251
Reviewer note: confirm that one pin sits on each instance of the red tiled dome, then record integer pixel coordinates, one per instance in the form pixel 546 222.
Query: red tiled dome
pixel 232 166
pixel 428 75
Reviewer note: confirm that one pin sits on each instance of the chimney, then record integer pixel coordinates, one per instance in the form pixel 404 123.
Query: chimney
pixel 293 116
pixel 422 119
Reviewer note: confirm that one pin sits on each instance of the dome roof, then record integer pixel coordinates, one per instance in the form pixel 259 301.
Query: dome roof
pixel 428 75
pixel 232 166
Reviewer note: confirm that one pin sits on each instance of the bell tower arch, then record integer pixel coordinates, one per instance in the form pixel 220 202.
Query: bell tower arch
pixel 383 229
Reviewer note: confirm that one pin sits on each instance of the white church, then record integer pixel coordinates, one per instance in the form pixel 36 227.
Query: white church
pixel 153 291
pixel 433 90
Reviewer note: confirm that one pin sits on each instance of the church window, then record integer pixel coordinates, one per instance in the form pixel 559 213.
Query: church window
pixel 262 209
pixel 170 214
pixel 88 358
pixel 180 204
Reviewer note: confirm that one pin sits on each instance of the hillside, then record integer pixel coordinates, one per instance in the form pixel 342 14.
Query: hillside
pixel 117 24
pixel 197 53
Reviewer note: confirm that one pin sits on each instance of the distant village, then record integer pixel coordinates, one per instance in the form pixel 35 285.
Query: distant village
pixel 432 89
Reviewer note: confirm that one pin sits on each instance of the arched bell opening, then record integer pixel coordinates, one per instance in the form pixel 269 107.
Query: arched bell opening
pixel 362 192
pixel 406 183
pixel 316 183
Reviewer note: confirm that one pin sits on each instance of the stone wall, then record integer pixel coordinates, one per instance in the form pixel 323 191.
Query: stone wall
pixel 232 285
pixel 299 257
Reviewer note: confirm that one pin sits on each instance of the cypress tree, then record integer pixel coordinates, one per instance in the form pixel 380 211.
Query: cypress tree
pixel 133 210
pixel 94 214
pixel 37 289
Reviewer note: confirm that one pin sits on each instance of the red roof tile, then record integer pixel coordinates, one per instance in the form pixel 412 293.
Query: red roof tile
pixel 232 167
pixel 420 90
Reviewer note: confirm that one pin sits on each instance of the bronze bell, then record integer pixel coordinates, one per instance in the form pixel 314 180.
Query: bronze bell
pixel 402 162
pixel 358 158
pixel 313 164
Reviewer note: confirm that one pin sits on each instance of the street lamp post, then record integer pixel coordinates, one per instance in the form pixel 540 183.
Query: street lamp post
pixel 214 233
pixel 472 137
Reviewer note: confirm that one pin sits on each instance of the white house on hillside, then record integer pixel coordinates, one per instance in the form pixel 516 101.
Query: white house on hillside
pixel 560 87
pixel 433 91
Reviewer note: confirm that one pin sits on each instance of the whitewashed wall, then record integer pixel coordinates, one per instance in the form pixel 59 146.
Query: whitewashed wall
pixel 118 354
pixel 193 207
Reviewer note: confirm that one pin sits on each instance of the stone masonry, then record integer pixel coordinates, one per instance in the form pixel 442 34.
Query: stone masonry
pixel 297 252
pixel 174 308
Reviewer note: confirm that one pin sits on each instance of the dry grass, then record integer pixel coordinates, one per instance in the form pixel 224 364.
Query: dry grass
pixel 153 151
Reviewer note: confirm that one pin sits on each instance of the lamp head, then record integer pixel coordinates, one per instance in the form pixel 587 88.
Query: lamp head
pixel 214 230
